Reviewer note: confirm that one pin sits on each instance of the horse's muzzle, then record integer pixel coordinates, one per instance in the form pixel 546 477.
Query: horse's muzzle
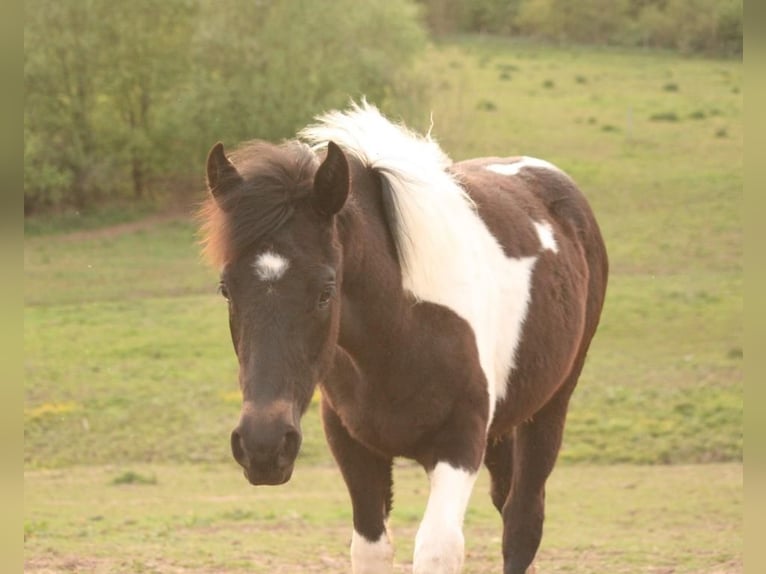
pixel 267 458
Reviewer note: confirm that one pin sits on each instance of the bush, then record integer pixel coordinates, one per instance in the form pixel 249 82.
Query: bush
pixel 712 27
pixel 587 21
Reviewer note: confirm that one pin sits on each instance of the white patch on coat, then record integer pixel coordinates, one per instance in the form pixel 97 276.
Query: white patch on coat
pixel 447 254
pixel 513 297
pixel 270 266
pixel 515 167
pixel 545 233
pixel 439 543
pixel 371 557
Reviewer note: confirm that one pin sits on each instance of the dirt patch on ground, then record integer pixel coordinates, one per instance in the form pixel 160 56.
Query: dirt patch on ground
pixel 91 565
pixel 124 228
pixel 323 564
pixel 59 564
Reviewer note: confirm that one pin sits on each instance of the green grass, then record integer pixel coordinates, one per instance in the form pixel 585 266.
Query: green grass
pixel 206 518
pixel 130 375
pixel 668 195
pixel 151 379
pixel 157 260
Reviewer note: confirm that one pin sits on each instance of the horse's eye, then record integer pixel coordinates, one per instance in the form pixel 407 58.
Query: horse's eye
pixel 326 296
pixel 223 290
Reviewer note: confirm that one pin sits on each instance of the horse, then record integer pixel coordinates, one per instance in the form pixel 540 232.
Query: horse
pixel 443 309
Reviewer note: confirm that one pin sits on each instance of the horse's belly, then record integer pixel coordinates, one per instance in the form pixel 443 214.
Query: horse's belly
pixel 551 338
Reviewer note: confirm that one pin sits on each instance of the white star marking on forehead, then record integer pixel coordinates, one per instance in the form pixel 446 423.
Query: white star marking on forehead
pixel 270 266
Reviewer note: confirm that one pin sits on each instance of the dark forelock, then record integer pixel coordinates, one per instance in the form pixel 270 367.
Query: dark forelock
pixel 274 179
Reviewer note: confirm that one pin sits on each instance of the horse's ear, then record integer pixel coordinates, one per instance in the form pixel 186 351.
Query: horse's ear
pixel 331 182
pixel 221 174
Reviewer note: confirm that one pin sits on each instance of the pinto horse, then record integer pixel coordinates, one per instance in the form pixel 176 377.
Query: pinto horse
pixel 444 309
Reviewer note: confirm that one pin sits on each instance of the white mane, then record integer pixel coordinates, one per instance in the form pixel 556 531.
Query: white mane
pixel 431 207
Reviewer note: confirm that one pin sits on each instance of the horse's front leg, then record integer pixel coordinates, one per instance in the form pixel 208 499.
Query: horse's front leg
pixel 369 482
pixel 439 543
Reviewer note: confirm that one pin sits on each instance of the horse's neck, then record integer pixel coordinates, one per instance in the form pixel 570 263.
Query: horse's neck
pixel 374 305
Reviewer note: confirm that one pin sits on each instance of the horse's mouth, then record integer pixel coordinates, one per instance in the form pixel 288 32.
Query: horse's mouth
pixel 272 477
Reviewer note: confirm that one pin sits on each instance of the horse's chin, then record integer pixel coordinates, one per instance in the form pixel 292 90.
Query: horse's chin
pixel 270 478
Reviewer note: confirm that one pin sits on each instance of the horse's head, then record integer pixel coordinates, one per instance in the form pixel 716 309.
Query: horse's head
pixel 270 227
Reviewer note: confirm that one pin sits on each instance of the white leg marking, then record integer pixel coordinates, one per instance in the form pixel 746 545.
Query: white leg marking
pixel 439 543
pixel 515 167
pixel 371 557
pixel 270 266
pixel 545 233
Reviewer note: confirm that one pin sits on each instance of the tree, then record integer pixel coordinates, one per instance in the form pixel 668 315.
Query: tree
pixel 60 67
pixel 266 69
pixel 148 60
pixel 121 97
pixel 587 21
pixel 95 72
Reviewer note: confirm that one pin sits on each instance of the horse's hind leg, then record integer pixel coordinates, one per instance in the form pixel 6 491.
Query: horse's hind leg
pixel 368 478
pixel 535 449
pixel 499 462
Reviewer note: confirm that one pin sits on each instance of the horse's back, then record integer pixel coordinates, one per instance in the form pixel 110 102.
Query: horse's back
pixel 508 188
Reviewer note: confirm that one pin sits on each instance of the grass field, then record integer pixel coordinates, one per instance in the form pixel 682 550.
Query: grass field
pixel 130 377
pixel 206 518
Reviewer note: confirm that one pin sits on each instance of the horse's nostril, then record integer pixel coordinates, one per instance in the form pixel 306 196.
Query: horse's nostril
pixel 291 443
pixel 237 449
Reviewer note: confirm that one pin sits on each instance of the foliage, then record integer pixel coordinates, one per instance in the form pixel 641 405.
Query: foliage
pixel 712 27
pixel 286 66
pixel 487 16
pixel 692 26
pixel 122 99
pixel 96 77
pixel 59 98
pixel 586 21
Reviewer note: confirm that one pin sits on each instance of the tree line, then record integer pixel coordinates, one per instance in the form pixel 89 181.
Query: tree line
pixel 123 99
pixel 708 27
